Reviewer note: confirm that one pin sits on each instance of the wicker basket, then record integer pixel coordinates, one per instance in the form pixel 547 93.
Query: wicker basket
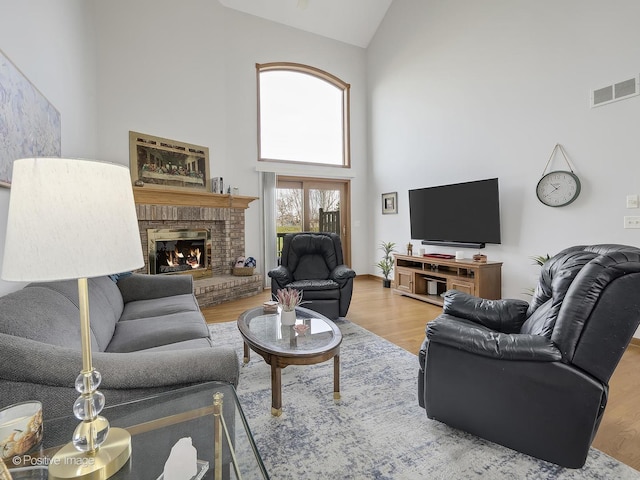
pixel 243 271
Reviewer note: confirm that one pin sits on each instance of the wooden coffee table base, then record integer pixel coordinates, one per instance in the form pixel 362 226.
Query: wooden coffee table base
pixel 279 362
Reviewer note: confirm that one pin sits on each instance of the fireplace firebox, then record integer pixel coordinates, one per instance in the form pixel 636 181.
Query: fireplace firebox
pixel 175 251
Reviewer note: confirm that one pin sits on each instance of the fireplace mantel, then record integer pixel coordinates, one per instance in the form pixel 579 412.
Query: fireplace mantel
pixel 149 195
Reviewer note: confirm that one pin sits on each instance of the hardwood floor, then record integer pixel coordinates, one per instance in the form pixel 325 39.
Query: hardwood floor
pixel 402 320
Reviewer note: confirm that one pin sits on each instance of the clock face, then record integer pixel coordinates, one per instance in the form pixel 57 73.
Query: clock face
pixel 559 188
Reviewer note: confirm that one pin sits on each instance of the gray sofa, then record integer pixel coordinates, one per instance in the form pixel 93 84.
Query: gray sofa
pixel 147 334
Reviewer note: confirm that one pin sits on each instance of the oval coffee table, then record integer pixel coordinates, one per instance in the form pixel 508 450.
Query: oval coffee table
pixel 313 339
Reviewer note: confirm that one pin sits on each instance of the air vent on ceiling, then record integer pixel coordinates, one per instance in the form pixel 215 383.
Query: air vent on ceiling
pixel 615 92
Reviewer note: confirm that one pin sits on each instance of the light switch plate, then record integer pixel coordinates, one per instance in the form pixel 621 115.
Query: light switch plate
pixel 632 201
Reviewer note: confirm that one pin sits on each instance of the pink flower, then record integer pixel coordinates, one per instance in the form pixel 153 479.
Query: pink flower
pixel 289 298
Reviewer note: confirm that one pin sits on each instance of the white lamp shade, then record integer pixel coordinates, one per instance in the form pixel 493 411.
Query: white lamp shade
pixel 70 219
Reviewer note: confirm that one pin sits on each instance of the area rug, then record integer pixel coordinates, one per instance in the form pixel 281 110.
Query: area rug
pixel 377 430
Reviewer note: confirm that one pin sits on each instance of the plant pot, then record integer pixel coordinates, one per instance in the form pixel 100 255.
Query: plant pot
pixel 288 317
pixel 386 283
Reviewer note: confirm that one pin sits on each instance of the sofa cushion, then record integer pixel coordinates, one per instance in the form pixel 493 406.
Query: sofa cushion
pixel 160 306
pixel 41 314
pixel 145 333
pixel 105 306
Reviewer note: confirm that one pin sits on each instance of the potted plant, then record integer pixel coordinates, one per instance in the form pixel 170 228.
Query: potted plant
pixel 540 261
pixel 386 263
pixel 288 299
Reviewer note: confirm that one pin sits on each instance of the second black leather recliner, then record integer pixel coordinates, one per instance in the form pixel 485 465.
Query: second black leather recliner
pixel 534 376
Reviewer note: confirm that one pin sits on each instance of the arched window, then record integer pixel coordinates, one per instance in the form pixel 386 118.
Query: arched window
pixel 303 115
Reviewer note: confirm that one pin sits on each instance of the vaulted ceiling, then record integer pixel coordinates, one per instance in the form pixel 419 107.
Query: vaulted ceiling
pixel 350 21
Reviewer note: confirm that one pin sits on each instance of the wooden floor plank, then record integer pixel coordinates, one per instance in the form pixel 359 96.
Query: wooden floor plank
pixel 402 320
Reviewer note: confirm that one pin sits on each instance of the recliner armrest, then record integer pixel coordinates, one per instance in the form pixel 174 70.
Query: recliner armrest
pixel 477 339
pixel 341 274
pixel 506 316
pixel 281 276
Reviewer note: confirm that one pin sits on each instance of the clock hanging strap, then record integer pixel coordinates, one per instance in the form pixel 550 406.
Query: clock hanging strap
pixel 566 159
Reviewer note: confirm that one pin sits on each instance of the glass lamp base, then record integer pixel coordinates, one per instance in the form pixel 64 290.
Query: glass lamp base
pixel 111 456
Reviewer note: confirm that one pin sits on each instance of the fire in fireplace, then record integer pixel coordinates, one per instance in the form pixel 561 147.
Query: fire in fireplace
pixel 178 251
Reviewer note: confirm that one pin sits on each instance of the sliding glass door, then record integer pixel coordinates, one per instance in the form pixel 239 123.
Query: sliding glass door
pixel 313 205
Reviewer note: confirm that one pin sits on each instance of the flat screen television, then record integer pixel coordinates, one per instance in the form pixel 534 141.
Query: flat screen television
pixel 461 214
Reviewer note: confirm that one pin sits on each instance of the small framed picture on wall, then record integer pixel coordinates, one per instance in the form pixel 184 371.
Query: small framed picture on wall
pixel 389 203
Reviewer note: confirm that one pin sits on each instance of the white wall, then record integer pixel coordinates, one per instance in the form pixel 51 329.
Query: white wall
pixel 186 71
pixel 52 44
pixel 463 90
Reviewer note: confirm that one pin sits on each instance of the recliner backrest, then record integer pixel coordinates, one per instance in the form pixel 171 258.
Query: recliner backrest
pixel 311 256
pixel 587 303
pixel 556 276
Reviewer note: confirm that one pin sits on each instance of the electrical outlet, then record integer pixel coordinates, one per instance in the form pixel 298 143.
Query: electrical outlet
pixel 632 201
pixel 631 222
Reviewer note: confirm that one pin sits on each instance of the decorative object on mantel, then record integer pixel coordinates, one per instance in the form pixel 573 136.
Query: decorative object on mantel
pixel 72 192
pixel 386 263
pixel 410 249
pixel 168 163
pixel 30 124
pixel 217 185
pixel 559 187
pixel 139 183
pixel 389 203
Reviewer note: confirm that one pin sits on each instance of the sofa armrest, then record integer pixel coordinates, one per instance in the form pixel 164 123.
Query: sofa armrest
pixel 146 287
pixel 473 338
pixel 341 274
pixel 506 316
pixel 281 276
pixel 45 364
pixel 168 367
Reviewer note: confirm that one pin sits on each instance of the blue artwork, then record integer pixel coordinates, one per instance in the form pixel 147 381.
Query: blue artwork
pixel 29 124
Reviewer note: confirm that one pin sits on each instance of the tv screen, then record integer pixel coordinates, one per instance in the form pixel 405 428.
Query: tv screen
pixel 461 213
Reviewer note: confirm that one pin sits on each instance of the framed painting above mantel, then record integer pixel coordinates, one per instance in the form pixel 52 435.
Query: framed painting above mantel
pixel 169 164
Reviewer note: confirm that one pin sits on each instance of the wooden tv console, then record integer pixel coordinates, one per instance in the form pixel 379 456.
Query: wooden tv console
pixel 415 274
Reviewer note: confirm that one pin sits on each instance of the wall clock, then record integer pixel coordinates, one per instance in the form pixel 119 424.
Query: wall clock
pixel 559 187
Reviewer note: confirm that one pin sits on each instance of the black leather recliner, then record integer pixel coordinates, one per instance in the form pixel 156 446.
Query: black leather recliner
pixel 313 262
pixel 534 377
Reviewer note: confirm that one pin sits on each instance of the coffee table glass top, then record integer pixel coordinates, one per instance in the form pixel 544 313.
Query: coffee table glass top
pixel 157 422
pixel 312 332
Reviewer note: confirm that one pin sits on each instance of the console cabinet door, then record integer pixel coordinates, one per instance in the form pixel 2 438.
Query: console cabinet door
pixel 404 280
pixel 461 286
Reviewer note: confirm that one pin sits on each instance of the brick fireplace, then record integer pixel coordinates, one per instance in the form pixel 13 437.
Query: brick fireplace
pixel 222 216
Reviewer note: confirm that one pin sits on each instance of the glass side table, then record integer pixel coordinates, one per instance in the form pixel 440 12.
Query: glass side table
pixel 209 413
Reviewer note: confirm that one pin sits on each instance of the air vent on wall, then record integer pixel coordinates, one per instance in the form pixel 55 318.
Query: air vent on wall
pixel 615 92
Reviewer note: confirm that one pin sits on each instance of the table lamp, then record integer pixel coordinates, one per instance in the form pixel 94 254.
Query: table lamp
pixel 75 219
